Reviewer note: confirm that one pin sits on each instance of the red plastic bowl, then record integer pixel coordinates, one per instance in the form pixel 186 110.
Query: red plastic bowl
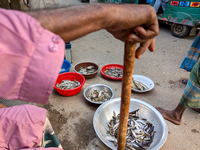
pixel 70 76
pixel 111 66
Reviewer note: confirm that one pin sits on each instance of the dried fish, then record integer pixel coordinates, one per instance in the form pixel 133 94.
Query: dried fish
pixel 139 134
pixel 86 70
pixel 99 95
pixel 139 85
pixel 116 72
pixel 68 84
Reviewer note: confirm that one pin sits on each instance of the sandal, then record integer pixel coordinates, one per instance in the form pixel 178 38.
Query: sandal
pixel 184 81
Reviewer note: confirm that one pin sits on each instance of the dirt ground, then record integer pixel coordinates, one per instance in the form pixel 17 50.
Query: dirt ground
pixel 72 117
pixel 83 133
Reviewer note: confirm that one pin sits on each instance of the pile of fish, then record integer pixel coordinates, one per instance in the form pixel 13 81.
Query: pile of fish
pixel 99 96
pixel 67 84
pixel 116 72
pixel 86 70
pixel 139 85
pixel 139 135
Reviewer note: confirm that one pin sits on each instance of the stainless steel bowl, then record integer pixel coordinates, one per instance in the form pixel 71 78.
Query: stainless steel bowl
pixel 104 114
pixel 89 89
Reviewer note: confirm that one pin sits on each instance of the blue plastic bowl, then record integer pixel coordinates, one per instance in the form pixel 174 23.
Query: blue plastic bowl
pixel 66 65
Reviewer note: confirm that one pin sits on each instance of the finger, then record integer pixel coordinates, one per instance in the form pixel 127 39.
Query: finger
pixel 145 33
pixel 140 35
pixel 143 47
pixel 136 38
pixel 152 46
pixel 140 31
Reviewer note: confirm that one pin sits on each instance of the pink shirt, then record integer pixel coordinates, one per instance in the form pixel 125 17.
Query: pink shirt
pixel 30 58
pixel 21 126
pixel 30 61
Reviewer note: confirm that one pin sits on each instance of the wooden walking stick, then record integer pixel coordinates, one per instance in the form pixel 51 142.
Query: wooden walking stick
pixel 129 59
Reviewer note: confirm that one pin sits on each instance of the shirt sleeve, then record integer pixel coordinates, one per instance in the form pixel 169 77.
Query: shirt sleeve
pixel 30 58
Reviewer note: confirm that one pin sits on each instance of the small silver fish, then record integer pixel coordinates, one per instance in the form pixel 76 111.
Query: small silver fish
pixel 68 84
pixel 90 67
pixel 98 96
pixel 139 134
pixel 116 72
pixel 139 85
pixel 86 70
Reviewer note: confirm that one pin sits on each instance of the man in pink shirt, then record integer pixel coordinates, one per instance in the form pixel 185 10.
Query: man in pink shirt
pixel 32 52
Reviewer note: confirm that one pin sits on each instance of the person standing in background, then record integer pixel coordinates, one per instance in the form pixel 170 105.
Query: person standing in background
pixel 191 94
pixel 162 3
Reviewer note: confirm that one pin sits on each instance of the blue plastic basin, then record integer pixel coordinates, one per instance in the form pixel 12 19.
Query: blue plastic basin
pixel 66 65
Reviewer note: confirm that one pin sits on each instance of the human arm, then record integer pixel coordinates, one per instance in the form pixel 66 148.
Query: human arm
pixel 26 47
pixel 33 46
pixel 76 21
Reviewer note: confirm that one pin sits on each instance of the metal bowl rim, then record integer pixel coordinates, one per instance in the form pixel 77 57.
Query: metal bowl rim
pixel 93 85
pixel 165 129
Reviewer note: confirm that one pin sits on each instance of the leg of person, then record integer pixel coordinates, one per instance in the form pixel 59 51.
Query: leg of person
pixel 157 5
pixel 164 5
pixel 49 138
pixel 190 98
pixel 191 95
pixel 175 116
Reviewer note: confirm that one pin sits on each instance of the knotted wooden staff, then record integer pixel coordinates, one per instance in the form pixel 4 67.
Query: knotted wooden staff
pixel 129 59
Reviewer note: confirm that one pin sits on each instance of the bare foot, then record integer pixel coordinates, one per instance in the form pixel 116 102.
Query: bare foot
pixel 196 109
pixel 170 115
